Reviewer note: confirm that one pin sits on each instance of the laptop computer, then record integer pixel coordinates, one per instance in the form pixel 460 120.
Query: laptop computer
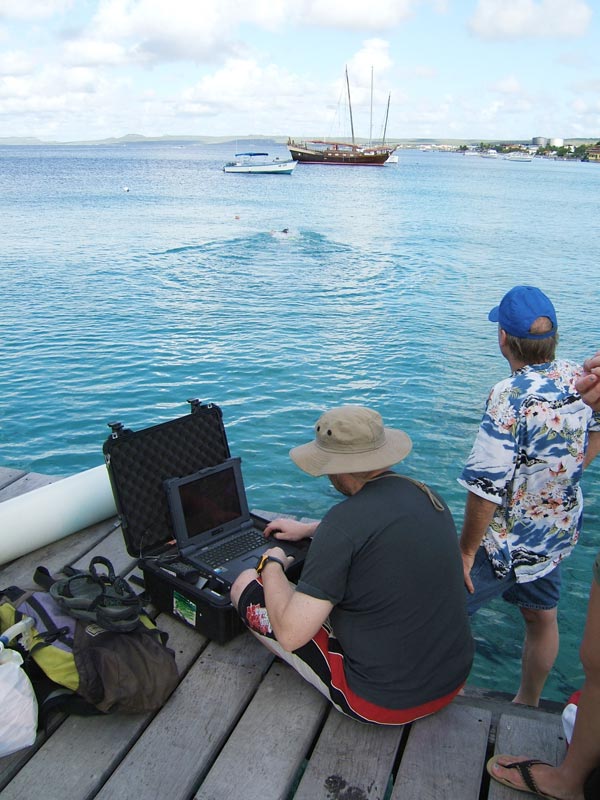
pixel 213 527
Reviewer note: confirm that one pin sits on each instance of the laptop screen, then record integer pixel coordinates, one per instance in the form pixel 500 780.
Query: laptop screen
pixel 208 504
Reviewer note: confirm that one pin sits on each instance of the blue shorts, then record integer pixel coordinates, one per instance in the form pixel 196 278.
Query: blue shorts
pixel 541 594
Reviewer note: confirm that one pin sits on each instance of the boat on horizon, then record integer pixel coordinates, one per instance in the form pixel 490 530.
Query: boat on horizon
pixel 517 156
pixel 260 163
pixel 322 151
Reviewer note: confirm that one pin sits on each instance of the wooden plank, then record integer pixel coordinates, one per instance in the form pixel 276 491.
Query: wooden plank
pixel 28 482
pixel 444 755
pixel 8 476
pixel 270 741
pixel 10 765
pixel 54 556
pixel 351 760
pixel 82 753
pixel 112 547
pixel 535 737
pixel 175 752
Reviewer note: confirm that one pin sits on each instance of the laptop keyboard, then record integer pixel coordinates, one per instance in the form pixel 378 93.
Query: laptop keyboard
pixel 232 548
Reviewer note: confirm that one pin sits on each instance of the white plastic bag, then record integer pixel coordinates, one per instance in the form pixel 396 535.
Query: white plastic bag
pixel 569 715
pixel 19 711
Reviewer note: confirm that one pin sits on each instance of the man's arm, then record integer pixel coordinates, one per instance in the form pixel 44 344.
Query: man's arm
pixel 478 516
pixel 294 616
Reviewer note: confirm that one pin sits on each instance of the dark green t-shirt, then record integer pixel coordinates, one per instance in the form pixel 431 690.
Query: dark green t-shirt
pixel 390 564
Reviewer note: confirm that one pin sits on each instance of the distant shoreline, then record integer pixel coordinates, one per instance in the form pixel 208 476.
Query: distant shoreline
pixel 279 140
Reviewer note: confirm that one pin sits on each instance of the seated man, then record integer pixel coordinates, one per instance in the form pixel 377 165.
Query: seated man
pixel 377 622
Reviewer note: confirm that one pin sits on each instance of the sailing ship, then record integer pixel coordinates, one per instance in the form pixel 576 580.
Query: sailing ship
pixel 321 151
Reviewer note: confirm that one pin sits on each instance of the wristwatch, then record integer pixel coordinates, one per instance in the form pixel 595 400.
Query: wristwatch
pixel 265 560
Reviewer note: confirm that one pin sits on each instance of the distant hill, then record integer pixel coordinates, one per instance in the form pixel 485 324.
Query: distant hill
pixel 135 138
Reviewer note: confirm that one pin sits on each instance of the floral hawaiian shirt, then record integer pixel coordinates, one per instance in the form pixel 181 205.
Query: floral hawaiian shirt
pixel 528 459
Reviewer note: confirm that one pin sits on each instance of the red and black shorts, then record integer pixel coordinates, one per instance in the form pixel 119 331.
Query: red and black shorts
pixel 321 662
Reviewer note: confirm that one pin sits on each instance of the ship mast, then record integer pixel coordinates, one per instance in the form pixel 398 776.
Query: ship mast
pixel 371 118
pixel 350 105
pixel 387 111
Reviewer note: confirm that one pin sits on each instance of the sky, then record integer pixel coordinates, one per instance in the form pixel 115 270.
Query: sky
pixel 486 70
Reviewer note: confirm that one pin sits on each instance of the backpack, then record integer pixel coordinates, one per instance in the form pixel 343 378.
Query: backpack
pixel 91 641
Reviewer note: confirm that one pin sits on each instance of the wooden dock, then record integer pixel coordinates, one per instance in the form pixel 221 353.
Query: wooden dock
pixel 242 725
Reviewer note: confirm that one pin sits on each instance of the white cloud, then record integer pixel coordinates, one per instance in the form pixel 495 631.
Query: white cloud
pixel 508 85
pixel 90 52
pixel 584 107
pixel 16 62
pixel 33 9
pixel 155 31
pixel 374 55
pixel 252 94
pixel 355 14
pixel 516 19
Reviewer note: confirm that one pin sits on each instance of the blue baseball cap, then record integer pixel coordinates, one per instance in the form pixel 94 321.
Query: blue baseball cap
pixel 520 308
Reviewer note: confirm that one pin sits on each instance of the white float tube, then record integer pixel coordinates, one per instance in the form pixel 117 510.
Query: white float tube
pixel 50 513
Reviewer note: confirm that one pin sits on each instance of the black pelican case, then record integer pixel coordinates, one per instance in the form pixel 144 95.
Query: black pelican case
pixel 138 463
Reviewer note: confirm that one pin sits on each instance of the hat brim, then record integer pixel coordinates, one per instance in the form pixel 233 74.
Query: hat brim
pixel 494 315
pixel 317 461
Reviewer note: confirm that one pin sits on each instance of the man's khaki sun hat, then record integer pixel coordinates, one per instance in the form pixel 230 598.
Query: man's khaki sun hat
pixel 351 439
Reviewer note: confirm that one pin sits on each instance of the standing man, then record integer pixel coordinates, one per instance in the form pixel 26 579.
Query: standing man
pixel 377 622
pixel 578 776
pixel 524 506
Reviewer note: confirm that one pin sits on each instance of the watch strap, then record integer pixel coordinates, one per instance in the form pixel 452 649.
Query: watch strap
pixel 265 560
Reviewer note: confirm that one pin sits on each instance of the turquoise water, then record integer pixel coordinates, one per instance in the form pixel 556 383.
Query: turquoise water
pixel 121 305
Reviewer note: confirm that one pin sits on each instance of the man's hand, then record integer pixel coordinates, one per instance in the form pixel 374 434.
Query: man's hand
pixel 588 386
pixel 468 561
pixel 278 552
pixel 290 530
pixel 479 513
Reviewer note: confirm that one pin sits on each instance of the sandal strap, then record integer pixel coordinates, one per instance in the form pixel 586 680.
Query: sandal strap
pixel 524 769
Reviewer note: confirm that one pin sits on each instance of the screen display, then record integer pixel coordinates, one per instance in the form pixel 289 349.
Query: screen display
pixel 209 502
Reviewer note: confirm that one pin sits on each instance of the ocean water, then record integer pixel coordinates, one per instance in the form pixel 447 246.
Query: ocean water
pixel 135 277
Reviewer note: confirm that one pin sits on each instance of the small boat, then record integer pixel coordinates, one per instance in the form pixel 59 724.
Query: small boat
pixel 260 163
pixel 392 159
pixel 516 156
pixel 320 151
pixel 489 154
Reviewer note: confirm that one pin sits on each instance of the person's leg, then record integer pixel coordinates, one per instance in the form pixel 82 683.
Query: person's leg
pixel 243 579
pixel 537 601
pixel 321 661
pixel 584 751
pixel 567 780
pixel 540 649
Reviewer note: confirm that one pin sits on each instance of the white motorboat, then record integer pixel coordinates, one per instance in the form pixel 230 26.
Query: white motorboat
pixel 260 163
pixel 518 156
